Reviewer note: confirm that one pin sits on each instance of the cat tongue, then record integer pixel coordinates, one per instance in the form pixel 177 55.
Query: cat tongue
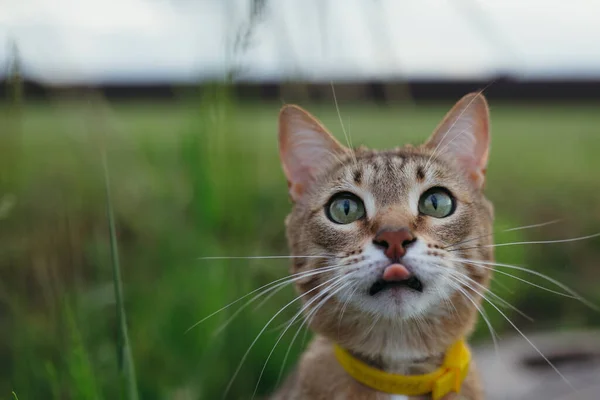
pixel 396 272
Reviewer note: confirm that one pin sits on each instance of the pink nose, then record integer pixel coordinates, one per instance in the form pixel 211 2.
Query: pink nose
pixel 394 242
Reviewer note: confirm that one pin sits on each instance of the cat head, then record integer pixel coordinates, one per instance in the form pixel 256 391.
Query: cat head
pixel 380 236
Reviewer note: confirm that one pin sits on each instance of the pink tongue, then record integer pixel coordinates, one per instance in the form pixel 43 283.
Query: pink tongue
pixel 396 272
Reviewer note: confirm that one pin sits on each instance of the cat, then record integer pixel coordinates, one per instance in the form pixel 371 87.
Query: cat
pixel 382 233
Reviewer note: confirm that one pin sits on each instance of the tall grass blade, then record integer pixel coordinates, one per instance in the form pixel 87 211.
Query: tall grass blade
pixel 125 357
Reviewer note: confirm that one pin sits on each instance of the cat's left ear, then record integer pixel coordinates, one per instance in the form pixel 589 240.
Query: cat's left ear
pixel 464 135
pixel 306 148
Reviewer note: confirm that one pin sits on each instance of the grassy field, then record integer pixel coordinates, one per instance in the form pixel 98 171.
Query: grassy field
pixel 201 177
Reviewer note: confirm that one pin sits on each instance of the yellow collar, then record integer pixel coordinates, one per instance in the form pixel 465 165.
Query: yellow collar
pixel 446 379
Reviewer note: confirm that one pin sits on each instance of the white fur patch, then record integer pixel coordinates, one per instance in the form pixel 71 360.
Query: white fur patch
pixel 398 397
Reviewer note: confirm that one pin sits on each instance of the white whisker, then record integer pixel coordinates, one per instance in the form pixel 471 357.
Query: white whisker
pixel 527 282
pixel 448 301
pixel 239 367
pixel 481 311
pixel 274 290
pixel 502 286
pixel 257 257
pixel 518 228
pixel 528 341
pixel 287 353
pixel 268 297
pixel 567 289
pixel 337 108
pixel 494 295
pixel 306 322
pixel 533 242
pixel 279 282
pixel 447 145
pixel 299 313
pixel 344 307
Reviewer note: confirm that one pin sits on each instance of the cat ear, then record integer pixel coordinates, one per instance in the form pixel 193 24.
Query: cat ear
pixel 306 148
pixel 464 135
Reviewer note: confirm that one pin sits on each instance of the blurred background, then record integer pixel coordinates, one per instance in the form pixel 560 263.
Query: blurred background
pixel 179 101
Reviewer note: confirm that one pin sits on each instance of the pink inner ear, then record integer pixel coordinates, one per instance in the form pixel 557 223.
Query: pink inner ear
pixel 305 147
pixel 296 191
pixel 463 135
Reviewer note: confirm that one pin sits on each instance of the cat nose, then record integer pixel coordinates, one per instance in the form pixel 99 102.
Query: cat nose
pixel 394 242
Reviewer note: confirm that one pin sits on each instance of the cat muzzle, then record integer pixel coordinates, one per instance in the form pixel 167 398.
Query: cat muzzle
pixel 396 275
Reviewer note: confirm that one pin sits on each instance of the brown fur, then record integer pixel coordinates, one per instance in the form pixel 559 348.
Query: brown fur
pixel 407 334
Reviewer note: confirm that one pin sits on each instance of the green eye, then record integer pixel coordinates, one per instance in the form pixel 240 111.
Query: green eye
pixel 436 202
pixel 345 208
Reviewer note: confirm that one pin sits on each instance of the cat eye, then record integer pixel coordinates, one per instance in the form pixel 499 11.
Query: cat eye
pixel 437 202
pixel 345 208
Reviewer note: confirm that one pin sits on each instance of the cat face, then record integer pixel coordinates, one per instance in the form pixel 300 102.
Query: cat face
pixel 385 230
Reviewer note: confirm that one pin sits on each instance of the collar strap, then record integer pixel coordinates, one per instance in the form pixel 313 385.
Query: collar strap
pixel 446 379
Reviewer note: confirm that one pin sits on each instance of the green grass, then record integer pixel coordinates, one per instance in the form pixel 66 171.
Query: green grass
pixel 201 177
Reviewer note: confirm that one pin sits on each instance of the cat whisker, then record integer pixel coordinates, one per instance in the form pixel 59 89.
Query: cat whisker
pixel 337 108
pixel 281 326
pixel 306 331
pixel 306 322
pixel 287 353
pixel 274 290
pixel 375 321
pixel 481 312
pixel 305 336
pixel 528 282
pixel 336 156
pixel 268 297
pixel 570 292
pixel 494 295
pixel 443 149
pixel 526 338
pixel 245 356
pixel 344 307
pixel 502 286
pixel 329 292
pixel 258 257
pixel 278 282
pixel 422 326
pixel 518 228
pixel 539 225
pixel 531 242
pixel 448 301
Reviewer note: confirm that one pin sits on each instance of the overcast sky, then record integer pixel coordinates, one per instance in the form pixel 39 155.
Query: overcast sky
pixel 177 40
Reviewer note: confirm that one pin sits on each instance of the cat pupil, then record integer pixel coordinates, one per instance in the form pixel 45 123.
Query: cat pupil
pixel 434 201
pixel 346 207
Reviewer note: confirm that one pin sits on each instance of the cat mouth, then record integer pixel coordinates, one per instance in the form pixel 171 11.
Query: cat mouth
pixel 380 285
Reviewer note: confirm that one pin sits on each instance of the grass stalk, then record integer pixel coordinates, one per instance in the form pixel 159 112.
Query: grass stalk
pixel 125 357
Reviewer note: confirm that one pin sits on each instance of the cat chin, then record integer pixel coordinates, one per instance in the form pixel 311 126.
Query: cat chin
pixel 397 304
pixel 395 340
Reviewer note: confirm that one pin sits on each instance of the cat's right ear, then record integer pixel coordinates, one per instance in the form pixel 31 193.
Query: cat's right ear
pixel 306 148
pixel 464 135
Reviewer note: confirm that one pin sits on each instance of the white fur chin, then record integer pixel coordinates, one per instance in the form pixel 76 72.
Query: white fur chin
pixel 399 397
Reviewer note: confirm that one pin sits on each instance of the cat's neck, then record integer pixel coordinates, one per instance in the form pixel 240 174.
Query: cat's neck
pixel 401 362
